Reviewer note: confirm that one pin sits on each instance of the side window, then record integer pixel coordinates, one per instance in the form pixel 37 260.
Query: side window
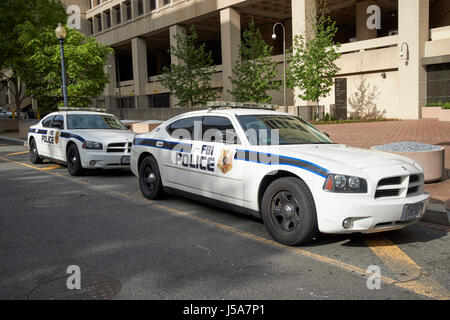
pixel 58 122
pixel 218 129
pixel 47 122
pixel 186 129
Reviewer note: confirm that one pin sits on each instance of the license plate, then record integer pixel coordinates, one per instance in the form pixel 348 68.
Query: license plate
pixel 412 211
pixel 126 160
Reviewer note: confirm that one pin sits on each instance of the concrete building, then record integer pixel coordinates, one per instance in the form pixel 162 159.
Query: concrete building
pixel 400 49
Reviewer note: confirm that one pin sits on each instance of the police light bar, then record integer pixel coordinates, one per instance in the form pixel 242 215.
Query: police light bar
pixel 245 105
pixel 81 109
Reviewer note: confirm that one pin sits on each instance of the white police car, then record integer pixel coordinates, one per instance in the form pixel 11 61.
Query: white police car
pixel 279 167
pixel 82 140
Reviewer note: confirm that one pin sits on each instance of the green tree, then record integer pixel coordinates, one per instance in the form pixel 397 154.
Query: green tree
pixel 190 80
pixel 254 73
pixel 85 61
pixel 313 62
pixel 19 20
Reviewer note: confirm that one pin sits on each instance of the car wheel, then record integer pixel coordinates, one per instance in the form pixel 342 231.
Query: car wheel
pixel 74 161
pixel 34 154
pixel 289 212
pixel 150 179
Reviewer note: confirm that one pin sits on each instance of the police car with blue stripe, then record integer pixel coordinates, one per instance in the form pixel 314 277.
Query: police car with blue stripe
pixel 81 139
pixel 273 165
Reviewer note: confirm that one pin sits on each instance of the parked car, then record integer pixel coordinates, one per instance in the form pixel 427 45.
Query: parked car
pixel 82 140
pixel 278 167
pixel 5 114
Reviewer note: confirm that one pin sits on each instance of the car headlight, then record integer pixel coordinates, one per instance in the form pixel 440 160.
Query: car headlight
pixel 345 184
pixel 92 145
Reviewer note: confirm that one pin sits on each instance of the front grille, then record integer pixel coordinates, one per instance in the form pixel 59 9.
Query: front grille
pixel 399 186
pixel 389 181
pixel 386 193
pixel 413 190
pixel 119 147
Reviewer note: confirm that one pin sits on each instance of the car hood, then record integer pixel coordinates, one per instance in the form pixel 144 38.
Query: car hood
pixel 326 154
pixel 105 135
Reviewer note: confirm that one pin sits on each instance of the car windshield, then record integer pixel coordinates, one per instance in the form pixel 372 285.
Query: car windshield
pixel 94 121
pixel 280 130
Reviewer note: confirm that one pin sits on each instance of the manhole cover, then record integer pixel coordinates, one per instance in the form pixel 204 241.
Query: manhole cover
pixel 93 287
pixel 56 200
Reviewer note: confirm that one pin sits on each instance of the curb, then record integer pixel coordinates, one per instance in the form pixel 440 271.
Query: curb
pixel 437 213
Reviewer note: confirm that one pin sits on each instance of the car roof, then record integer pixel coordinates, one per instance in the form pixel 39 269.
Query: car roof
pixel 231 111
pixel 79 112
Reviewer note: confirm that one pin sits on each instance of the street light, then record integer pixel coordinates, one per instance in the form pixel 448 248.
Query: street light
pixel 60 33
pixel 274 37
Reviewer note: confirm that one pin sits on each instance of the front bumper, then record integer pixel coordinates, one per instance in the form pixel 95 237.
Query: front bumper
pixel 104 160
pixel 368 216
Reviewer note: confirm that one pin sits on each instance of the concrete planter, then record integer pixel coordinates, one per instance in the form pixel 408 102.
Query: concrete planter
pixel 9 125
pixel 432 162
pixel 436 113
pixel 24 126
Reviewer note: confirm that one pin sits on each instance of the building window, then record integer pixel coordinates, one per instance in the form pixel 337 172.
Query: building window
pixel 99 2
pixel 118 14
pixel 90 26
pixel 127 5
pixel 438 83
pixel 166 2
pixel 89 4
pixel 140 7
pixel 108 19
pixel 98 21
pixel 152 5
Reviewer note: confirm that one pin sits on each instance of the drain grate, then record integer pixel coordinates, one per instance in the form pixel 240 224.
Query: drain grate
pixel 56 200
pixel 93 287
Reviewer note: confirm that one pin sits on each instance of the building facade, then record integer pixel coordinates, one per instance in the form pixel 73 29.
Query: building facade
pixel 398 50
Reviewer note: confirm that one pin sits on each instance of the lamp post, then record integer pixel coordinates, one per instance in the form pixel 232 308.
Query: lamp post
pixel 274 37
pixel 60 33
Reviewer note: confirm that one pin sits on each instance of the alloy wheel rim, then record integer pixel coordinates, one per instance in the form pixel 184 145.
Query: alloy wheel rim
pixel 285 211
pixel 149 178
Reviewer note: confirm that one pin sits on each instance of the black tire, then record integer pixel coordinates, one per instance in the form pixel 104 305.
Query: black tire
pixel 289 212
pixel 150 179
pixel 74 161
pixel 34 153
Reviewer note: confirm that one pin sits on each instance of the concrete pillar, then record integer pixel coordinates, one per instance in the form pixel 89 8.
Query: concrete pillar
pixel 110 90
pixel 140 76
pixel 175 30
pixel 123 10
pixel 230 32
pixel 303 12
pixel 413 23
pixel 362 32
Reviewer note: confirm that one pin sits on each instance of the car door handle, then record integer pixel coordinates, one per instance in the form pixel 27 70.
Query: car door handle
pixel 159 144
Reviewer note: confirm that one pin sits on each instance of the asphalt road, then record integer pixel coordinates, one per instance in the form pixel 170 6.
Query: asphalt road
pixel 181 249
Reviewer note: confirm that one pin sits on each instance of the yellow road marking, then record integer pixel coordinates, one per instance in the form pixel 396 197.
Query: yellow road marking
pixel 56 166
pixel 426 287
pixel 409 273
pixel 30 166
pixel 17 153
